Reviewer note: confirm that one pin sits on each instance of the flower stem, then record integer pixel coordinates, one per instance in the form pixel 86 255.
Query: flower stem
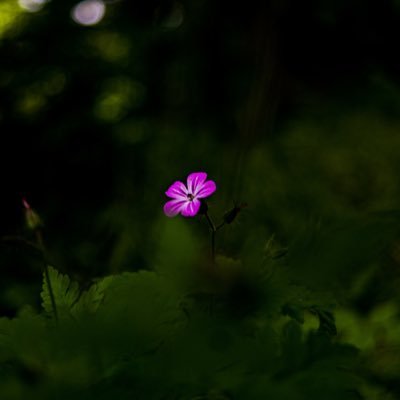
pixel 213 231
pixel 39 239
pixel 220 226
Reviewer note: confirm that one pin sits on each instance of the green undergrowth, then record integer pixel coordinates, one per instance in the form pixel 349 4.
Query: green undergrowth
pixel 279 323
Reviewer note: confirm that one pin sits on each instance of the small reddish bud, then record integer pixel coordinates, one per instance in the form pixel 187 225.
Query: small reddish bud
pixel 26 204
pixel 32 219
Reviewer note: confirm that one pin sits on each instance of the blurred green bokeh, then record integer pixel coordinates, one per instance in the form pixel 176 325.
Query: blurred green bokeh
pixel 99 120
pixel 290 107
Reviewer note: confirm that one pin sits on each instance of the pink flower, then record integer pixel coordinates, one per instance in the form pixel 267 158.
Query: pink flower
pixel 186 199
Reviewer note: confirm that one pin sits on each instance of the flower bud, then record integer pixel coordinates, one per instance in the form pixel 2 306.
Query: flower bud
pixel 231 215
pixel 32 219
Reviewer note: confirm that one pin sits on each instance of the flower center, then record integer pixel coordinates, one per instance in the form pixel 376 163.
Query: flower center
pixel 190 196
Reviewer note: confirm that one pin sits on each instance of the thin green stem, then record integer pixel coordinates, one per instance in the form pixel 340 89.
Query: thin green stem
pixel 220 226
pixel 213 246
pixel 213 231
pixel 209 220
pixel 40 242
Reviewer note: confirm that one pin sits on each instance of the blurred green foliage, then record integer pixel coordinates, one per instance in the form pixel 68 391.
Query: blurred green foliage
pixel 292 108
pixel 191 329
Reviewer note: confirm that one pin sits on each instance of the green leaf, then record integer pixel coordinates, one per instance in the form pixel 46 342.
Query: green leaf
pixel 70 301
pixel 91 299
pixel 142 307
pixel 331 258
pixel 65 292
pixel 326 320
pixel 294 311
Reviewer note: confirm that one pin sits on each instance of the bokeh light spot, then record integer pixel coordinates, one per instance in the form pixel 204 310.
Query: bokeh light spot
pixel 32 5
pixel 88 12
pixel 110 46
pixel 9 13
pixel 175 19
pixel 118 97
pixel 31 103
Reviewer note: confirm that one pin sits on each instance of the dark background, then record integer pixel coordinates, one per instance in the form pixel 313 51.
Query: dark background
pixel 291 107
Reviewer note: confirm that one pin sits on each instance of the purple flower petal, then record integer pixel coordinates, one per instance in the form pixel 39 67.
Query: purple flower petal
pixel 174 207
pixel 194 180
pixel 191 208
pixel 207 189
pixel 177 191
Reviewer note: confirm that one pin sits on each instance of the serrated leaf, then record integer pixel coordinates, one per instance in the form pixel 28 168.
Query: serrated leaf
pixel 89 301
pixel 70 301
pixel 65 292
